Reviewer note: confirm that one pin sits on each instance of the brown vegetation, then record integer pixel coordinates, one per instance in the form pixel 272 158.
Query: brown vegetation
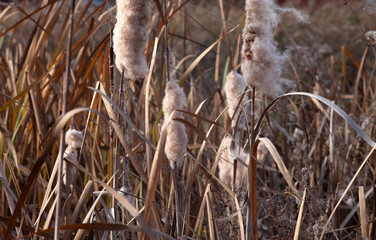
pixel 315 175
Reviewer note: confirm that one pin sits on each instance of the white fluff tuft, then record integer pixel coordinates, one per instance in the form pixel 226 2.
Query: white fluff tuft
pixel 234 89
pixel 262 62
pixel 130 37
pixel 73 140
pixel 227 160
pixel 177 140
pixel 370 36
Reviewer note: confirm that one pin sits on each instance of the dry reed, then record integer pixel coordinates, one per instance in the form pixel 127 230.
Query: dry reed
pixel 113 194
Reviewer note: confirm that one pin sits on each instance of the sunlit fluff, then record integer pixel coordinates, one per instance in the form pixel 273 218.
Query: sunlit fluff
pixel 227 162
pixel 370 37
pixel 73 140
pixel 130 37
pixel 234 89
pixel 262 63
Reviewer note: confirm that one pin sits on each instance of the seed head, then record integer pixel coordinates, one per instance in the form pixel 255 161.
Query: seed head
pixel 262 62
pixel 177 140
pixel 227 161
pixel 130 36
pixel 73 140
pixel 234 89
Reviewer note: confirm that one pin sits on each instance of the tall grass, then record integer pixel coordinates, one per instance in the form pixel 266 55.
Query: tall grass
pixel 310 152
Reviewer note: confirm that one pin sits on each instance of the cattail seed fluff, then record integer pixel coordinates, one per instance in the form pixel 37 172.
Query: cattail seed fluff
pixel 227 162
pixel 261 61
pixel 177 140
pixel 130 37
pixel 370 37
pixel 234 89
pixel 73 140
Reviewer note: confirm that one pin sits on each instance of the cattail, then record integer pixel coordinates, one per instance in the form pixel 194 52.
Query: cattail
pixel 73 139
pixel 234 89
pixel 227 162
pixel 262 62
pixel 370 37
pixel 176 141
pixel 130 37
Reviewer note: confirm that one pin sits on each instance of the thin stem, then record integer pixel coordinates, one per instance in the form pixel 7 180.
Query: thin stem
pixel 177 202
pixel 251 178
pixel 167 53
pixel 58 216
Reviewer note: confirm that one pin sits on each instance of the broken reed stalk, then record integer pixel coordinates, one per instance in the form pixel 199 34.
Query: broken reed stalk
pixel 64 104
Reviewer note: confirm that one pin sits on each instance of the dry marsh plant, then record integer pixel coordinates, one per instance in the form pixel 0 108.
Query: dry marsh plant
pixel 105 135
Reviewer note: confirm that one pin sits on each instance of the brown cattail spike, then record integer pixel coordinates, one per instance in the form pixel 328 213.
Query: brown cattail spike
pixel 130 30
pixel 176 142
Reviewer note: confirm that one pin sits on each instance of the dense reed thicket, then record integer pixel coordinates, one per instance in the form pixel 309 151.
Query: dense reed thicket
pixel 178 124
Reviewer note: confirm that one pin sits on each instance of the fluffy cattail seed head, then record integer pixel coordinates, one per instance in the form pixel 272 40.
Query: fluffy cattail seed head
pixel 262 63
pixel 73 140
pixel 227 162
pixel 234 89
pixel 176 141
pixel 370 37
pixel 130 36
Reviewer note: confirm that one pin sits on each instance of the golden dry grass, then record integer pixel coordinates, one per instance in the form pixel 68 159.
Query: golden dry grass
pixel 318 143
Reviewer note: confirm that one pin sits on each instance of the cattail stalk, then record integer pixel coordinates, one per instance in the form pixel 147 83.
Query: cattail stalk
pixel 176 139
pixel 129 37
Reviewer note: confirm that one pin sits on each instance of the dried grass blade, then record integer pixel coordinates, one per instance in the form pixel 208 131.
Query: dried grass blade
pixel 357 81
pixel 22 93
pixel 108 103
pixel 327 102
pixel 8 191
pixel 80 204
pixel 28 16
pixel 155 172
pixel 201 56
pixel 354 210
pixel 345 192
pixel 37 166
pixel 50 213
pixel 90 212
pixel 147 111
pixel 121 199
pixel 32 19
pixel 281 165
pixel 201 208
pixel 253 188
pixel 240 218
pixel 47 195
pixel 16 162
pixel 363 213
pixel 212 226
pixel 101 227
pixel 299 221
